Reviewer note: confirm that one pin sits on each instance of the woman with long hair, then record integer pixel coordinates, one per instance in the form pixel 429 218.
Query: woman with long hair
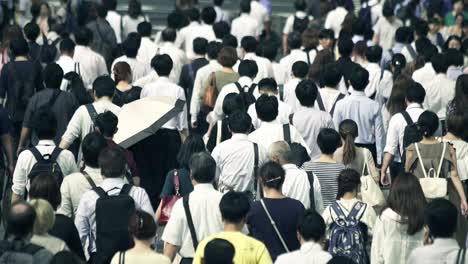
pixel 9 33
pixel 125 92
pixel 399 229
pixel 323 58
pixel 353 157
pixel 396 102
pixel 459 104
pixel 133 17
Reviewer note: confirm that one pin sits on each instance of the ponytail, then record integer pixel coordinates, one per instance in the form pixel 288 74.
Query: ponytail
pixel 349 150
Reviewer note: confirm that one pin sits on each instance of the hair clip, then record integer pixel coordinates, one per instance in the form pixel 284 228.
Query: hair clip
pixel 274 179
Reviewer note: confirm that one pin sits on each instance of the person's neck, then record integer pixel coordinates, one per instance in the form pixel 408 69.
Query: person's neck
pixel 429 140
pixel 227 70
pixel 21 58
pixel 451 136
pixel 104 98
pixel 326 158
pixel 272 193
pixel 233 227
pixel 329 87
pixel 349 196
pixel 142 245
pixel 123 86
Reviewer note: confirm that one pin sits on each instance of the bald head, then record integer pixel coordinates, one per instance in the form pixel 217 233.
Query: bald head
pixel 20 220
pixel 280 152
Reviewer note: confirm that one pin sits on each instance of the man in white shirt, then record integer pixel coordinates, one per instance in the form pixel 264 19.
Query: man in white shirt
pixel 113 167
pixel 296 54
pixel 221 15
pixel 270 129
pixel 426 74
pixel 147 48
pixel 248 47
pixel 66 62
pixel 329 95
pixel 75 185
pixel 394 148
pixel 377 75
pixel 130 48
pixel 235 157
pixel 311 232
pixel 247 72
pixel 259 12
pixel 197 30
pixel 203 204
pixel 92 65
pixel 421 29
pixel 296 182
pixel 295 22
pixel 269 87
pixel 245 25
pixel 307 119
pixel 45 127
pixel 385 28
pixel 177 55
pixel 189 31
pixel 300 70
pixel 114 19
pixel 336 17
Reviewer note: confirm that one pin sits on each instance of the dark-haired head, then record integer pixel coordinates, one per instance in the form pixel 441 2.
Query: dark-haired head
pixel 306 93
pixel 398 63
pixel 162 64
pixel 106 124
pixel 221 29
pixel 142 226
pixel 331 75
pixel 31 31
pixel 44 125
pixel 299 154
pixel 374 54
pixel 66 256
pixel 453 42
pixel 192 144
pixel 227 57
pixel 44 186
pixel 454 57
pixel 311 226
pixel 83 36
pixel 20 220
pixel 219 251
pixel 122 72
pixel 300 69
pixel 428 123
pixel 202 167
pixel 460 100
pixel 19 47
pixel 245 6
pixel 345 47
pixel 92 145
pixel 112 162
pixel 232 103
pixel 239 122
pixel 169 35
pixel 328 140
pixel 67 46
pixel 457 124
pixel 144 29
pixel 103 86
pixel 267 107
pixel 248 68
pixel 439 63
pixel 348 182
pixel 249 44
pixel 359 78
pixel 348 131
pixel 441 218
pixel 406 198
pixel 200 46
pixel 193 14
pixel 208 15
pixel 52 76
pixel 229 41
pixel 234 207
pixel 415 93
pixel 268 86
pixel 134 9
pixel 131 45
pixel 294 40
pixel 272 175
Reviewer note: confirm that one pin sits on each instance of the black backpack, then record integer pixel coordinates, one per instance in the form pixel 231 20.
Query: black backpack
pixel 113 213
pixel 17 246
pixel 48 52
pixel 412 134
pixel 300 24
pixel 46 163
pixel 364 19
pixel 247 96
pixel 24 88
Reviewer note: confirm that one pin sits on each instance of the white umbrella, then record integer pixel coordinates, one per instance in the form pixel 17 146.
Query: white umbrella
pixel 142 118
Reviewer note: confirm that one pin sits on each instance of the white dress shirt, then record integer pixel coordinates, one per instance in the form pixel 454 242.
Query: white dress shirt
pixel 200 79
pixel 375 73
pixel 329 97
pixel 278 72
pixel 424 75
pixel 366 113
pixel 73 187
pixel 297 186
pixel 115 21
pixel 164 87
pixel 178 59
pixel 270 132
pixel 439 92
pixel 195 30
pixel 385 30
pixel 396 130
pixel 92 65
pixel 309 253
pixel 243 26
pixel 221 15
pixel 244 82
pixel 85 219
pixel 294 56
pixel 284 111
pixel 265 70
pixel 147 50
pixel 235 163
pixel 68 65
pixel 204 208
pixel 391 243
pixel 139 69
pixel 443 250
pixel 289 25
pixel 26 161
pixel 259 12
pixel 335 18
pixel 130 24
pixel 152 76
pixel 309 121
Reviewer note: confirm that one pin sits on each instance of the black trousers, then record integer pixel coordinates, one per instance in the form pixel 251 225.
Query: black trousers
pixel 371 148
pixel 396 168
pixel 186 261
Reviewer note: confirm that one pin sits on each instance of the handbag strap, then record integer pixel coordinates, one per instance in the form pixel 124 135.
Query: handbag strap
pixel 122 257
pixel 274 226
pixel 366 165
pixel 176 182
pixel 461 256
pixel 193 234
pixel 310 176
pixel 219 132
pixel 88 178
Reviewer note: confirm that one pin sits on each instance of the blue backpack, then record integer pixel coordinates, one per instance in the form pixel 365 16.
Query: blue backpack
pixel 348 236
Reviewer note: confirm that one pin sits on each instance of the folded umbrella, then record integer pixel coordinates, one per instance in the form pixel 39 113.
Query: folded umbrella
pixel 142 118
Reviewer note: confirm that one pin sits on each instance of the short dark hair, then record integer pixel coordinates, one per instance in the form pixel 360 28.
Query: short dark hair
pixel 421 27
pixel 162 64
pixel 387 10
pixel 306 93
pixel 31 31
pixel 142 225
pixel 144 29
pixel 403 35
pixel 269 51
pixel 19 47
pixel 328 140
pixel 193 14
pixel 415 93
pixel 454 57
pixel 221 29
pixel 218 251
pixel 268 84
pixel 169 35
pixel 107 123
pixel 131 45
pixel 110 4
pixel 52 75
pixel 248 68
pixel 311 226
pixel 20 219
pixel 67 45
pixel 234 207
pixel 359 78
pixel 300 69
pixel 249 44
pixel 300 5
pixel 245 6
pixel 44 186
pixel 348 181
pixel 44 124
pixel 441 216
pixel 83 36
pixel 299 154
pixel 213 49
pixel 202 167
pixel 227 57
pixel 104 86
pixel 345 47
pixel 208 15
pixel 326 33
pixel 272 175
pixel 294 40
pixel 428 123
pixel 232 103
pixel 192 144
pixel 229 41
pixel 267 108
pixel 240 122
pixel 439 63
pixel 331 75
pixel 134 8
pixel 101 11
pixel 174 19
pixel 374 53
pixel 92 145
pixel 200 46
pixel 112 162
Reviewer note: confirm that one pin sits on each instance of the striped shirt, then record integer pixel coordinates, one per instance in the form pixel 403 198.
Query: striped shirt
pixel 327 174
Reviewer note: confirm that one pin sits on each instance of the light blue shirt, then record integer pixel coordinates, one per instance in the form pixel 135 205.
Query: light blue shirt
pixel 366 113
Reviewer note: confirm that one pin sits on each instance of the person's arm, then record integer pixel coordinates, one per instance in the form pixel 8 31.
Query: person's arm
pixel 82 223
pixel 318 195
pixel 170 251
pixel 263 256
pixel 66 207
pixel 7 143
pixel 195 100
pixel 285 44
pixel 20 178
pixel 457 182
pixel 409 155
pixel 73 131
pixel 379 134
pixel 67 162
pixel 378 243
pixel 387 159
pixel 25 132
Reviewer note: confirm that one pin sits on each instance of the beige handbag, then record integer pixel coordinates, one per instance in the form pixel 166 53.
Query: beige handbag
pixel 433 187
pixel 370 191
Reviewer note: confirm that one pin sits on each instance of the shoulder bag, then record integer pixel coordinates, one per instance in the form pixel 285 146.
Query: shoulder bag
pixel 211 93
pixel 167 202
pixel 274 226
pixel 370 190
pixel 433 187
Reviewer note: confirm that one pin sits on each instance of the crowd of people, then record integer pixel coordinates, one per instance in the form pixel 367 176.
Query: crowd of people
pixel 343 139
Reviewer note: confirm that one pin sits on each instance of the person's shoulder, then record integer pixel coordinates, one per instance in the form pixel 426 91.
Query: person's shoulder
pixel 42 256
pixel 67 154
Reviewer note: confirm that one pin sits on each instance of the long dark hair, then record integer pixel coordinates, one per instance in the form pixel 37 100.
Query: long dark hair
pixel 348 131
pixel 396 103
pixel 193 144
pixel 398 65
pixel 407 199
pixel 460 101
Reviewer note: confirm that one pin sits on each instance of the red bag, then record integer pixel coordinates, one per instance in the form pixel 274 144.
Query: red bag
pixel 168 202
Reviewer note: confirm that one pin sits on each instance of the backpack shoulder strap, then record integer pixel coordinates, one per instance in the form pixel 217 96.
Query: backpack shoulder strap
pixel 252 88
pixel 193 234
pixel 55 153
pixel 320 102
pixel 281 91
pixel 310 176
pixel 239 87
pixel 88 178
pixel 308 55
pixel 407 117
pixel 418 153
pixel 125 189
pixel 356 209
pixel 255 172
pixel 91 111
pixel 100 192
pixel 439 169
pixel 337 209
pixel 340 96
pixel 461 256
pixel 287 133
pixel 411 51
pixel 37 155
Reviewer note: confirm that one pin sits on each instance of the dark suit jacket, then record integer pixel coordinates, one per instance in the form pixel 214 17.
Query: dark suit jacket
pixel 187 78
pixel 346 66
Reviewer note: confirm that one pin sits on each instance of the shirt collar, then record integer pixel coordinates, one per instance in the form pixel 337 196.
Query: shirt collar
pixel 301 14
pixel 92 170
pixel 289 166
pixel 46 142
pixel 163 79
pixel 357 93
pixel 310 245
pixel 203 187
pixel 110 183
pixel 244 79
pixel 239 136
pixel 413 106
pixel 445 242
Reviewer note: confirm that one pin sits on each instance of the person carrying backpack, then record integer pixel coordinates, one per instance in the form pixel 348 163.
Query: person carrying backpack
pixel 45 157
pixel 298 22
pixel 114 201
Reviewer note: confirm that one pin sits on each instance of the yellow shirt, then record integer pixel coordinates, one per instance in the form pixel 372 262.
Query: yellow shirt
pixel 248 250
